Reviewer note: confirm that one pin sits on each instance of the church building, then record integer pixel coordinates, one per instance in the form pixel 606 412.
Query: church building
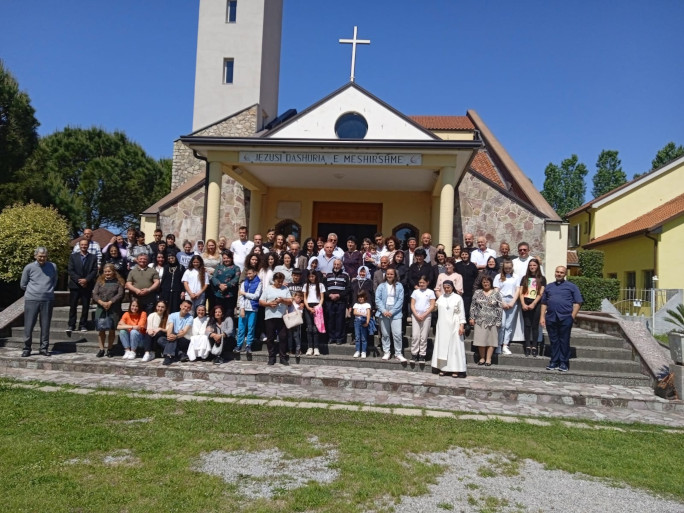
pixel 349 163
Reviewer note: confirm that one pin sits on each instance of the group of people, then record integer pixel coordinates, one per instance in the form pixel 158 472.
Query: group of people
pixel 186 301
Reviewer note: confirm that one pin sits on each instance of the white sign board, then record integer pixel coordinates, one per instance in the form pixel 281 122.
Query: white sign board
pixel 329 158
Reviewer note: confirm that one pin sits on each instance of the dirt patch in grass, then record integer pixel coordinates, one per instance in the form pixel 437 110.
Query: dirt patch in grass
pixel 476 482
pixel 269 473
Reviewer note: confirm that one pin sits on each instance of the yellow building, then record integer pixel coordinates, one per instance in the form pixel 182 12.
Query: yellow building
pixel 640 228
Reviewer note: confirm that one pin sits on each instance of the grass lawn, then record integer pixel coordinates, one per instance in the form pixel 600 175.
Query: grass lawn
pixel 42 433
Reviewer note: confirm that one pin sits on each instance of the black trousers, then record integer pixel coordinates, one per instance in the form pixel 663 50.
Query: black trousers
pixel 276 338
pixel 335 321
pixel 80 295
pixel 531 319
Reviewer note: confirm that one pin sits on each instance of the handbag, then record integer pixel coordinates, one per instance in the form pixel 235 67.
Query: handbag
pixel 293 319
pixel 105 322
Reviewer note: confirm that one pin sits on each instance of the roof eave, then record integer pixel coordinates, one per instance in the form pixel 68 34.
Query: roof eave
pixel 204 142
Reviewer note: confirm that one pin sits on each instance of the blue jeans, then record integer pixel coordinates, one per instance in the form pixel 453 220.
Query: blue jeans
pixel 131 340
pixel 246 323
pixel 507 324
pixel 360 334
pixel 391 327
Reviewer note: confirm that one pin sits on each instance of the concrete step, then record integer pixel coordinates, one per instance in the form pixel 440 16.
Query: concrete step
pixel 583 358
pixel 524 391
pixel 508 367
pixel 517 348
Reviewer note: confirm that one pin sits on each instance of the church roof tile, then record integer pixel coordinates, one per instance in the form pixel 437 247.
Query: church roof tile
pixel 483 165
pixel 444 122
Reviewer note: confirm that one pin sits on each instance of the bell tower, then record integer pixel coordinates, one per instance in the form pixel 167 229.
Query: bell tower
pixel 238 59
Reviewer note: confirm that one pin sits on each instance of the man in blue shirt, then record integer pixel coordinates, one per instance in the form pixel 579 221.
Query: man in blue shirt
pixel 177 339
pixel 560 302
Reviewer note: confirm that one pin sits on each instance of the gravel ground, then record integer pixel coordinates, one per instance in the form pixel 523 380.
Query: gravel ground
pixel 263 474
pixel 476 482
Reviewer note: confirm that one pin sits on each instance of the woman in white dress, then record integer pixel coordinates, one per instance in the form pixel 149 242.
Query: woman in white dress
pixel 449 352
pixel 199 342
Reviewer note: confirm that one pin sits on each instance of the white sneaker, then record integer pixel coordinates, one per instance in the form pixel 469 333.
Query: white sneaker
pixel 401 358
pixel 309 352
pixel 132 355
pixel 505 350
pixel 357 354
pixel 148 357
pixel 317 352
pixel 263 337
pixel 127 355
pixel 363 355
pixel 386 356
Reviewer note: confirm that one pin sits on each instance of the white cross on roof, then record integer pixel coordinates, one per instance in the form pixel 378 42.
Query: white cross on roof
pixel 354 41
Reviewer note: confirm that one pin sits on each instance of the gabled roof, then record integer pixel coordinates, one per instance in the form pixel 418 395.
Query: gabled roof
pixel 100 235
pixel 350 85
pixel 645 223
pixel 625 187
pixel 444 122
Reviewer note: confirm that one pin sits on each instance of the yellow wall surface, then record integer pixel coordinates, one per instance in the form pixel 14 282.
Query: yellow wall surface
pixel 639 201
pixel 581 219
pixel 670 269
pixel 147 225
pixel 398 207
pixel 456 135
pixel 633 254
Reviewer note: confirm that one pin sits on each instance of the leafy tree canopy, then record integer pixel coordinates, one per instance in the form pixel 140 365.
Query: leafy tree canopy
pixel 564 186
pixel 25 227
pixel 667 154
pixel 95 178
pixel 609 173
pixel 18 133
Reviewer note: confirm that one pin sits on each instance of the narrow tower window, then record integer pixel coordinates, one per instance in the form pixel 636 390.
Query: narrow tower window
pixel 228 66
pixel 231 11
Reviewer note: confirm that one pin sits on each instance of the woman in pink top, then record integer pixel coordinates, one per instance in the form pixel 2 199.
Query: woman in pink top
pixel 451 275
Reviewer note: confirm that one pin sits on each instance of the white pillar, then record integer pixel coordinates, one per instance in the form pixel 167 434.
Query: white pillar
pixel 446 207
pixel 213 213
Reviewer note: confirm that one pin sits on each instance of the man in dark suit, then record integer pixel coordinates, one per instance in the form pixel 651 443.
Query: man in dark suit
pixel 82 271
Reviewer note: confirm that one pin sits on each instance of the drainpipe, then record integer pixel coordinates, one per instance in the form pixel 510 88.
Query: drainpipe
pixel 655 253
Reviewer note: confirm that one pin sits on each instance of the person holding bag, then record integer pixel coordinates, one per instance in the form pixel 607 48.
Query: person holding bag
pixel 275 299
pixel 107 294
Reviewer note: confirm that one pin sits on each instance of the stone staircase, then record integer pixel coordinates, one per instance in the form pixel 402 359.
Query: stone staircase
pixel 596 358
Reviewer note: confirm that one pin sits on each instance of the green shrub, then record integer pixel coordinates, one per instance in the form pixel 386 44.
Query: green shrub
pixel 25 227
pixel 591 263
pixel 594 290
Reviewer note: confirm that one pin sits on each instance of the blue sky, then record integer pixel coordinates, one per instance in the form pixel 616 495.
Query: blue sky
pixel 549 78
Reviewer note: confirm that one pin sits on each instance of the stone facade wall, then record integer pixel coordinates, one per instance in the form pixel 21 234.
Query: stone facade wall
pixel 185 165
pixel 484 210
pixel 185 219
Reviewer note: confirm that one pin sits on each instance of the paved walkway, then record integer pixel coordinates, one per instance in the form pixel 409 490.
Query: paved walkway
pixel 335 387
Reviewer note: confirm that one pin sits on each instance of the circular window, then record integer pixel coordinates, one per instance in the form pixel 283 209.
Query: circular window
pixel 351 125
